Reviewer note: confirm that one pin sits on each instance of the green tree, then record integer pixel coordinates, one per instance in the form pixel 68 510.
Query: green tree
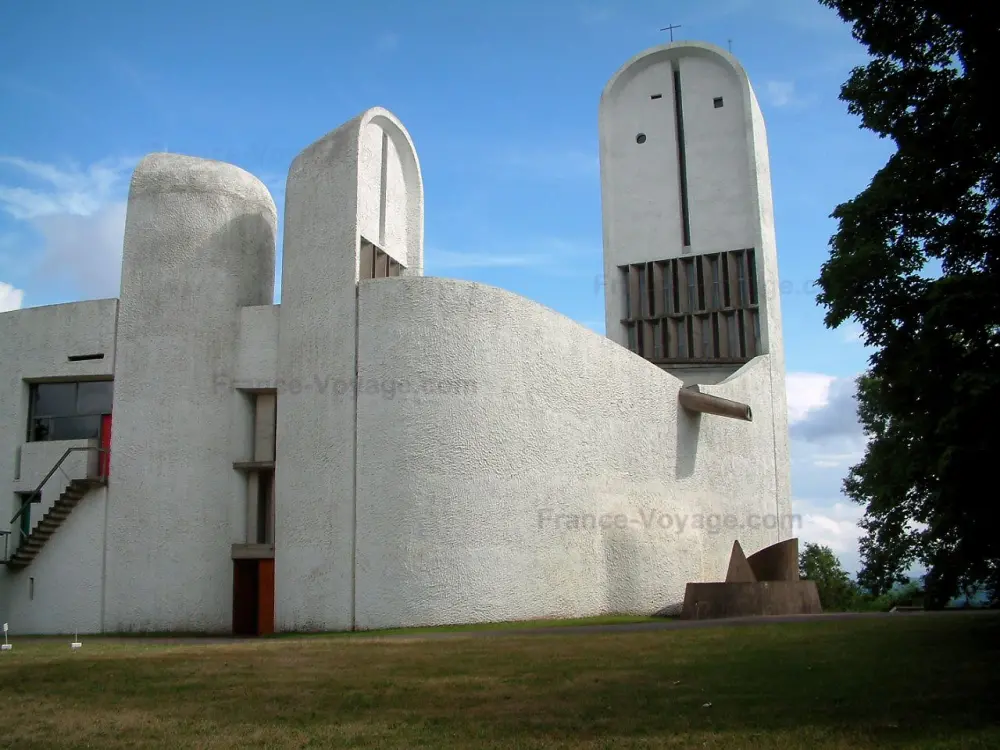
pixel 820 565
pixel 916 262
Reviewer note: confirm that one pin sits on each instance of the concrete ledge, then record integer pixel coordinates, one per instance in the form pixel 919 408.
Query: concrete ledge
pixel 706 601
pixel 253 552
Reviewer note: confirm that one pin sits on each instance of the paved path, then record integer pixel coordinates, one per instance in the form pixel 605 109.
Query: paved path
pixel 631 627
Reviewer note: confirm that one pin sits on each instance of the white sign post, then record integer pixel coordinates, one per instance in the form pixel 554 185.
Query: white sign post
pixel 6 646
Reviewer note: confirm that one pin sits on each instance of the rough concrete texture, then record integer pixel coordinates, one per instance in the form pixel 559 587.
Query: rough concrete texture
pixel 446 451
pixel 779 562
pixel 199 244
pixel 706 601
pixel 729 192
pixel 739 569
pixel 63 583
pixel 361 180
pixel 497 435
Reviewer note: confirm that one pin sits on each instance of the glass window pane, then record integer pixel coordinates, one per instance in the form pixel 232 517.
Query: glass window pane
pixel 40 430
pixel 75 428
pixel 53 399
pixel 94 398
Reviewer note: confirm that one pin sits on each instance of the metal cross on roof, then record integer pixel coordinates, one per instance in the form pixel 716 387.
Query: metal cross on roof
pixel 671 28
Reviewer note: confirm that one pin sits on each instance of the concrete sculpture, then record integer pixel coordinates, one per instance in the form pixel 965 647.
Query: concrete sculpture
pixel 766 583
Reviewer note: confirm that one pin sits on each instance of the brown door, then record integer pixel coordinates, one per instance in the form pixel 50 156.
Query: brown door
pixel 265 597
pixel 245 593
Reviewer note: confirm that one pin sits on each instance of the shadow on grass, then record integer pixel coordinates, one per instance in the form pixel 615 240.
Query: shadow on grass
pixel 865 683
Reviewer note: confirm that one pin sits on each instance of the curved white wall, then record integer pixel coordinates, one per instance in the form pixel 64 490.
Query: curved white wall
pixel 362 179
pixel 485 412
pixel 199 244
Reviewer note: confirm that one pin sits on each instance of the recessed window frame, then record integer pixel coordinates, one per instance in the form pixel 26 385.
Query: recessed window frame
pixel 44 418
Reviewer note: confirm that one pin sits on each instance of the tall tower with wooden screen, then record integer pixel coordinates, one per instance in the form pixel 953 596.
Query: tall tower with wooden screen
pixel 690 264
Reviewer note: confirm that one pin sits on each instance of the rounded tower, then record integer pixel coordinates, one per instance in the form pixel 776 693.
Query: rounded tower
pixel 199 244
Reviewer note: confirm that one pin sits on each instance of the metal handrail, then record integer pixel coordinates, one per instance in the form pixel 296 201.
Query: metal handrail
pixel 38 490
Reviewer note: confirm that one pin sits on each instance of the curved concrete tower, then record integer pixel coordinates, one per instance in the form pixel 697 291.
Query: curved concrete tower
pixel 199 244
pixel 691 272
pixel 353 211
pixel 690 263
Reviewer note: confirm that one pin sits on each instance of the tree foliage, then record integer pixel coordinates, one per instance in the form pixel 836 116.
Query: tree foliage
pixel 820 565
pixel 916 262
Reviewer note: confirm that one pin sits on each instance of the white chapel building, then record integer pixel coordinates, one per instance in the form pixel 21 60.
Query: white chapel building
pixel 387 449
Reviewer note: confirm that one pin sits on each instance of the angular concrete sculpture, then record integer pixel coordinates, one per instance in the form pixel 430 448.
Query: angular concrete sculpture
pixel 766 583
pixel 779 562
pixel 740 570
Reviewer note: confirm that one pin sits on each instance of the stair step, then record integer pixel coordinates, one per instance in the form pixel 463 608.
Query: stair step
pixel 51 521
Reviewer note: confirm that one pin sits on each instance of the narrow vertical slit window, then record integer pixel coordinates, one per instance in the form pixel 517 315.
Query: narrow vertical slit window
pixel 690 335
pixel 716 349
pixel 657 341
pixel 752 274
pixel 733 337
pixel 756 333
pixel 631 336
pixel 682 160
pixel 682 348
pixel 706 336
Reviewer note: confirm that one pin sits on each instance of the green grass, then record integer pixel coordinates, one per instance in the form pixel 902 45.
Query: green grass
pixel 908 681
pixel 509 625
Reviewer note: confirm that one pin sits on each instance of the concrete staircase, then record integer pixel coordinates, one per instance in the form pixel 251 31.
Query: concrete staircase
pixel 32 544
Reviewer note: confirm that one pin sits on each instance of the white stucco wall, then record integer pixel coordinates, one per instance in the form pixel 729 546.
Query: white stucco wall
pixel 334 195
pixel 729 192
pixel 37 460
pixel 728 178
pixel 36 343
pixel 199 244
pixel 548 416
pixel 61 590
pixel 257 359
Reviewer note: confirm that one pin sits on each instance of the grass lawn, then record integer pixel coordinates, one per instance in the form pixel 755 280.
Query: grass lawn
pixel 900 681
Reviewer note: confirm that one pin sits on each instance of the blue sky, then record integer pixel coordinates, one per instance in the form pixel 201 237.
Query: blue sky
pixel 501 101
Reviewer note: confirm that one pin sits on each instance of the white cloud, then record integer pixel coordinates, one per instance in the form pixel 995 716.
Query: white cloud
pixel 826 441
pixel 780 93
pixel 833 525
pixel 86 249
pixel 806 391
pixel 78 212
pixel 852 333
pixel 10 298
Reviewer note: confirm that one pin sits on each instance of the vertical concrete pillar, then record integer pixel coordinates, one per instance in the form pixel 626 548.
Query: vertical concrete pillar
pixel 359 182
pixel 199 244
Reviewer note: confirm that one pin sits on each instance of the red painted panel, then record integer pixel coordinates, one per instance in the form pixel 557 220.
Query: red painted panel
pixel 265 598
pixel 104 459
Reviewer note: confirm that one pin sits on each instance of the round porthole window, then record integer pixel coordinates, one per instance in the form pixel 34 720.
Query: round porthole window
pixel 641 138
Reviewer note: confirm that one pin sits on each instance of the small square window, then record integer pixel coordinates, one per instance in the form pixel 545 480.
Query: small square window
pixel 717 102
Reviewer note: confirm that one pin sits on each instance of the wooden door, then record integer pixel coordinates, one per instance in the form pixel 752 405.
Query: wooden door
pixel 265 597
